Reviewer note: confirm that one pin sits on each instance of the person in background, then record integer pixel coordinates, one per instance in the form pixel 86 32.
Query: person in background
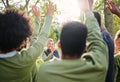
pixel 110 43
pixel 50 53
pixel 117 57
pixel 75 65
pixel 17 59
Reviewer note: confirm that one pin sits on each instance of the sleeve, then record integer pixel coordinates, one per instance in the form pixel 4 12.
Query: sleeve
pixel 38 44
pixel 47 58
pixel 97 52
pixel 36 30
pixel 116 66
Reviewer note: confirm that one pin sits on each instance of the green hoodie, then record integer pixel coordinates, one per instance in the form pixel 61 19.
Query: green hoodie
pixel 91 67
pixel 19 68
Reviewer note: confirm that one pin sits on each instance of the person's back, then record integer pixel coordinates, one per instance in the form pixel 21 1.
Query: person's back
pixel 74 65
pixel 14 31
pixel 16 63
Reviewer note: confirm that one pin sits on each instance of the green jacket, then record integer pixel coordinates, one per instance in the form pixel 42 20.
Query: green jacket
pixel 117 68
pixel 91 67
pixel 19 67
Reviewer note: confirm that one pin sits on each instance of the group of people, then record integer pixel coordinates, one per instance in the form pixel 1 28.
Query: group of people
pixel 87 49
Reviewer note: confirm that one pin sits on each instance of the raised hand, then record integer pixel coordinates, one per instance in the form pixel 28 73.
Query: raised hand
pixel 36 11
pixel 50 9
pixel 112 7
pixel 84 5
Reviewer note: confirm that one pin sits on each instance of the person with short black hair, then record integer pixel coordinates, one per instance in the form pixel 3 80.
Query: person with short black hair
pixel 17 61
pixel 73 47
pixel 75 65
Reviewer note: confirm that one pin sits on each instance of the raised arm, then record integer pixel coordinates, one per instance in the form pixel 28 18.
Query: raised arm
pixel 36 13
pixel 37 45
pixel 97 52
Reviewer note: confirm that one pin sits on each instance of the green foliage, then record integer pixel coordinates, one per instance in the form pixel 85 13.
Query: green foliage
pixel 116 24
pixel 27 6
pixel 99 7
pixel 116 19
pixel 117 2
pixel 54 34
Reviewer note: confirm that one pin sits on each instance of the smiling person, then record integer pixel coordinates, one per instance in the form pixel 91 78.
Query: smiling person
pixel 50 53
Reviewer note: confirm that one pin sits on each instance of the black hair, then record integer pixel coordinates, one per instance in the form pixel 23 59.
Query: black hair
pixel 14 29
pixel 98 17
pixel 73 38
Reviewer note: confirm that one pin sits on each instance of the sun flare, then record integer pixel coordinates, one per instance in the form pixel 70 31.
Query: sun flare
pixel 69 10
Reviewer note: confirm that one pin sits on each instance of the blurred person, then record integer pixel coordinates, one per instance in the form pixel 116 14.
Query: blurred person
pixel 50 53
pixel 17 59
pixel 110 43
pixel 117 57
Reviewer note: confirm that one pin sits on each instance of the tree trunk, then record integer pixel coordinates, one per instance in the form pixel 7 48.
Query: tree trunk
pixel 108 20
pixel 7 2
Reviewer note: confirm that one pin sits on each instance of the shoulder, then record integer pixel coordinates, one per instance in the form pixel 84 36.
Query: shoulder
pixel 48 65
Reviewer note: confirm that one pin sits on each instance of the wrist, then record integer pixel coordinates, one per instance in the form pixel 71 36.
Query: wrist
pixel 118 13
pixel 49 14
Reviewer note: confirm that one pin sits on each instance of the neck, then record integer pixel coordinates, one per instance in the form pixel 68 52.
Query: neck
pixel 116 49
pixel 66 56
pixel 7 51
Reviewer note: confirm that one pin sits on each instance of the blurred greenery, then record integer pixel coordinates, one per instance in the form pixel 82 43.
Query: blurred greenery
pixel 99 7
pixel 54 32
pixel 26 5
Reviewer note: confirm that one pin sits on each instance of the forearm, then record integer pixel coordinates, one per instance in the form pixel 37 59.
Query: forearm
pixel 37 26
pixel 93 27
pixel 35 30
pixel 38 45
pixel 96 46
pixel 43 36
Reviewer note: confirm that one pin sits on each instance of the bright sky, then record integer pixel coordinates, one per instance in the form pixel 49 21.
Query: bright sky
pixel 69 9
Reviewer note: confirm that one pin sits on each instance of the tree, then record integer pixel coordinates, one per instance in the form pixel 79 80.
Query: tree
pixel 108 20
pixel 26 5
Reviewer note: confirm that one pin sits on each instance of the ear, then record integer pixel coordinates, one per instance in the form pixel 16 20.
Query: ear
pixel 59 44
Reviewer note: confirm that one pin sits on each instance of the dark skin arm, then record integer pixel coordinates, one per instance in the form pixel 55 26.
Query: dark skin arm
pixel 113 7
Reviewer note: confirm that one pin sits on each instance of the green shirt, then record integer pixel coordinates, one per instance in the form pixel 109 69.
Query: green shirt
pixel 19 68
pixel 91 67
pixel 117 68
